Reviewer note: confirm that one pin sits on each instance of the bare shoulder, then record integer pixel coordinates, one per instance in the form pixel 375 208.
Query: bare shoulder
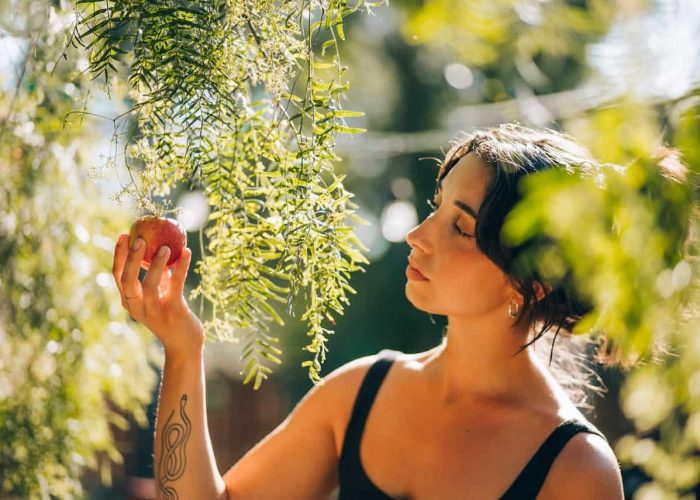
pixel 351 374
pixel 585 468
pixel 342 383
pixel 316 414
pixel 342 386
pixel 337 389
pixel 352 371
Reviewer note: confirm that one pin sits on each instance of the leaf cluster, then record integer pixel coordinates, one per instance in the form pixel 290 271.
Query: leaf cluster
pixel 240 100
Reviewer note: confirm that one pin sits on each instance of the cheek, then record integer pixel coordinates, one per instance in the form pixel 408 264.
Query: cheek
pixel 475 282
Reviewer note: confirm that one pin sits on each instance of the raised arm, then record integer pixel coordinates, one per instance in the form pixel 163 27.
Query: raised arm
pixel 298 460
pixel 184 460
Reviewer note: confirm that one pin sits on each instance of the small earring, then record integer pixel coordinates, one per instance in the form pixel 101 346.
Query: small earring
pixel 510 310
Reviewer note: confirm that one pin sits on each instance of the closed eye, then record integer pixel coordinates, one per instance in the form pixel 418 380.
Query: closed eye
pixel 457 230
pixel 461 233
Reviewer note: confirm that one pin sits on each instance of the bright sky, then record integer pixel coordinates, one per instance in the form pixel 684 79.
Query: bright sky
pixel 652 55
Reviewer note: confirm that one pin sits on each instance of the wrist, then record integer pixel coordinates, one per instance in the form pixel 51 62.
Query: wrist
pixel 184 353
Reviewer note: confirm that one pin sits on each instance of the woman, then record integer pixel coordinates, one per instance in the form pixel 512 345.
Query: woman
pixel 480 416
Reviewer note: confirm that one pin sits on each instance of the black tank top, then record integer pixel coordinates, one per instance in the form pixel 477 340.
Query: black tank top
pixel 355 485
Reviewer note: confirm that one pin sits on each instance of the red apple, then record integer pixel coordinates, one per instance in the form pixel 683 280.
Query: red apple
pixel 158 232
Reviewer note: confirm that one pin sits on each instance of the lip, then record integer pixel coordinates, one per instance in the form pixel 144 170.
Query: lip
pixel 414 274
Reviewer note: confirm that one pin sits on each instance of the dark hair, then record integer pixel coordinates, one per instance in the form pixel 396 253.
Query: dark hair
pixel 512 152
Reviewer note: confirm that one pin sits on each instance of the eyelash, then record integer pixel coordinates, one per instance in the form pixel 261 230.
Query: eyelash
pixel 456 227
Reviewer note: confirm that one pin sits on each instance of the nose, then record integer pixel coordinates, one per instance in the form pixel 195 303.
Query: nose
pixel 417 238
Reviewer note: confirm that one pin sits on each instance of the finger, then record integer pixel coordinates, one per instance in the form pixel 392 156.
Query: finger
pixel 179 273
pixel 164 281
pixel 154 275
pixel 120 252
pixel 131 286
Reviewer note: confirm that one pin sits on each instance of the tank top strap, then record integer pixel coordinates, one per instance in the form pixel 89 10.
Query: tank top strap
pixel 367 393
pixel 528 484
pixel 363 403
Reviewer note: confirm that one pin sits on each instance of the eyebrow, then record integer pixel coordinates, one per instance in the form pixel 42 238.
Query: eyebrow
pixel 464 207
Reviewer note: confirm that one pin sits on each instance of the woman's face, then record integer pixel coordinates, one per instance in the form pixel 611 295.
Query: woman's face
pixel 461 281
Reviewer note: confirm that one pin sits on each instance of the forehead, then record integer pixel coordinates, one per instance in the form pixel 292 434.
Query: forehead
pixel 467 180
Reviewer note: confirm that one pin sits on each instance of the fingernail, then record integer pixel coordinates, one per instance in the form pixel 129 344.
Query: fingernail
pixel 137 244
pixel 163 251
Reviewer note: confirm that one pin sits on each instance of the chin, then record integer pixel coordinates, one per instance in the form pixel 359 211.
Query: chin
pixel 422 304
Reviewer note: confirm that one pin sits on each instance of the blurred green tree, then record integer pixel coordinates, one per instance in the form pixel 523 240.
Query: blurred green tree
pixel 67 365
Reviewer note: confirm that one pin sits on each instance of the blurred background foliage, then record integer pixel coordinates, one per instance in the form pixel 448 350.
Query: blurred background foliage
pixel 621 76
pixel 68 374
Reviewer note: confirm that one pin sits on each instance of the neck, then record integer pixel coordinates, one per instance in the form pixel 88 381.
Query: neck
pixel 476 362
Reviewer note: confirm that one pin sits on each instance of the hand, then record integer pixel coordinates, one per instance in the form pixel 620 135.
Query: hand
pixel 158 303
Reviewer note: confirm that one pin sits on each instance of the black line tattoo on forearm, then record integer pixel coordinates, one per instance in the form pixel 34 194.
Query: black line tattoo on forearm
pixel 173 460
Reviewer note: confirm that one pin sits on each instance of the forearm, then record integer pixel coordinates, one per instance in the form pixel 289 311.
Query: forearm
pixel 185 466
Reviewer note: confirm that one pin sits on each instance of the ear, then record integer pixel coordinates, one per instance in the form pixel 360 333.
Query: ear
pixel 541 291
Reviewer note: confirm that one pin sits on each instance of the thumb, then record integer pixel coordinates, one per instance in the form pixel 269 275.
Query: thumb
pixel 179 273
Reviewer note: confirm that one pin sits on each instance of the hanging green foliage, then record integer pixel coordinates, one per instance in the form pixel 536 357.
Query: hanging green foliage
pixel 243 100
